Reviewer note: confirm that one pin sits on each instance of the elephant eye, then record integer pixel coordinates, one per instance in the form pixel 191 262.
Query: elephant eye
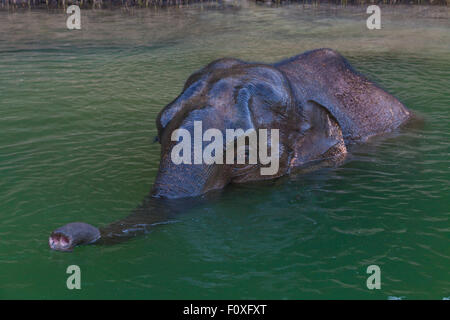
pixel 243 157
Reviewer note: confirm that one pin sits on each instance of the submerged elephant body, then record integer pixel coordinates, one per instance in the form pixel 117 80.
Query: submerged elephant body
pixel 318 103
pixel 316 100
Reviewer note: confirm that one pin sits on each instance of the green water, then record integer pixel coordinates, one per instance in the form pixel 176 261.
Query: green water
pixel 77 119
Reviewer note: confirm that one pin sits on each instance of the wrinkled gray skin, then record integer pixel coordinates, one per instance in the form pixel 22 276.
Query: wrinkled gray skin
pixel 317 101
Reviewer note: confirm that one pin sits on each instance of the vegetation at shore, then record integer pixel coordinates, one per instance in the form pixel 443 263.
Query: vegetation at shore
pixel 98 4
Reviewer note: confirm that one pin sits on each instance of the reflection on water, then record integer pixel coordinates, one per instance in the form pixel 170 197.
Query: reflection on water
pixel 77 112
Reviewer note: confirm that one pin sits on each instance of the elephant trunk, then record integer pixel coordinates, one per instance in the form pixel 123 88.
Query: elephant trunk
pixel 186 180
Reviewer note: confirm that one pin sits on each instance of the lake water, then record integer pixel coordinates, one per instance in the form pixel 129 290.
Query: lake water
pixel 77 120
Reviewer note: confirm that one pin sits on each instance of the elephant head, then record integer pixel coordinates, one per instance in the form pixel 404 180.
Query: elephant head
pixel 231 95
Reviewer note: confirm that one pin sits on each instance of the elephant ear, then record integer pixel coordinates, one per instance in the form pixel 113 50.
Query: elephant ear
pixel 321 138
pixel 266 92
pixel 263 100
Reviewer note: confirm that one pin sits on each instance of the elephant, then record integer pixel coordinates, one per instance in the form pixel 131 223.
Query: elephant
pixel 318 103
